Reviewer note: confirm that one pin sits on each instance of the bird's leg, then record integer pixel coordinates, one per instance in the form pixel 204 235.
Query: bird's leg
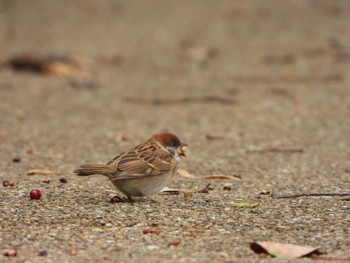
pixel 129 199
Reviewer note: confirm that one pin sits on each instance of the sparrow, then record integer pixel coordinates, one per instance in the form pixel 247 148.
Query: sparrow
pixel 143 170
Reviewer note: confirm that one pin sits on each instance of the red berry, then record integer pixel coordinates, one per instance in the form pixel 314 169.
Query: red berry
pixel 35 194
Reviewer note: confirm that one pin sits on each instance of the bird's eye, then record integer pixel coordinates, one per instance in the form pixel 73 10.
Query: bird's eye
pixel 175 144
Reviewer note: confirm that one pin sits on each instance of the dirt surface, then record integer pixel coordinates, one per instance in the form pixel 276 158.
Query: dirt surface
pixel 270 79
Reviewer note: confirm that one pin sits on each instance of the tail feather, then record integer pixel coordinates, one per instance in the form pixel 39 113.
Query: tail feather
pixel 90 169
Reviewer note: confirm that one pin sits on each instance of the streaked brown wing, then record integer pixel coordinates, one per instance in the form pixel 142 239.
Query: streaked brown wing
pixel 143 160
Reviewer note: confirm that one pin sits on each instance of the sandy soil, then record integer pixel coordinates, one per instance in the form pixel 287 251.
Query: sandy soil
pixel 280 74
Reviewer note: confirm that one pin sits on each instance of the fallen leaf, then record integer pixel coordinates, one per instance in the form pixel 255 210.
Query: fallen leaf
pixel 186 174
pixel 244 204
pixel 51 64
pixel 219 176
pixel 171 191
pixel 40 172
pixel 282 250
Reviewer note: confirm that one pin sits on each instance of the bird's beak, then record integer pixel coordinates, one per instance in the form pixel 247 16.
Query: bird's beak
pixel 181 150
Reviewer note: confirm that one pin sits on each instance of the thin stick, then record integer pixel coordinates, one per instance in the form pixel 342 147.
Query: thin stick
pixel 180 100
pixel 278 150
pixel 289 78
pixel 311 194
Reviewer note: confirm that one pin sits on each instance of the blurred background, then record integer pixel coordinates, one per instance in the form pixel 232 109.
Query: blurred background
pixel 82 80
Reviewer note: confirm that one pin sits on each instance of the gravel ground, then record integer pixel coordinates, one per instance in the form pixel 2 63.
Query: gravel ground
pixel 268 79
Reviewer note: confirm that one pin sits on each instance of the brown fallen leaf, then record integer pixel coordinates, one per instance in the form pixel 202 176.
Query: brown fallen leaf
pixel 40 172
pixel 186 174
pixel 51 64
pixel 219 176
pixel 171 191
pixel 282 250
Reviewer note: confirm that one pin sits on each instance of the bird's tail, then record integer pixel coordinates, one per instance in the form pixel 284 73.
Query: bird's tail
pixel 90 169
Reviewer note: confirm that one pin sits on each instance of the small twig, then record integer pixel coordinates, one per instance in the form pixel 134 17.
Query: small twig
pixel 278 150
pixel 205 190
pixel 311 194
pixel 289 78
pixel 180 100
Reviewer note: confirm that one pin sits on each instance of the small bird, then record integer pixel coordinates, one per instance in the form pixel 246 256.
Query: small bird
pixel 143 170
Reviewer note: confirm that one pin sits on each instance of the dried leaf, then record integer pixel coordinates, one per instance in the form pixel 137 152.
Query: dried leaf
pixel 51 64
pixel 171 191
pixel 40 172
pixel 186 174
pixel 244 204
pixel 219 176
pixel 283 251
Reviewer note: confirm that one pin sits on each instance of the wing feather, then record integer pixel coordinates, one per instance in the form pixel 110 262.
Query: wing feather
pixel 143 160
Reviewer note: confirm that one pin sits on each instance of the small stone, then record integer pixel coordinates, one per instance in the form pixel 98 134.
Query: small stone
pixel 265 192
pixel 42 253
pixel 152 247
pixel 106 257
pixel 29 150
pixel 73 252
pixel 151 230
pixel 16 159
pixel 8 183
pixel 175 242
pixel 227 187
pixel 63 180
pixel 46 180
